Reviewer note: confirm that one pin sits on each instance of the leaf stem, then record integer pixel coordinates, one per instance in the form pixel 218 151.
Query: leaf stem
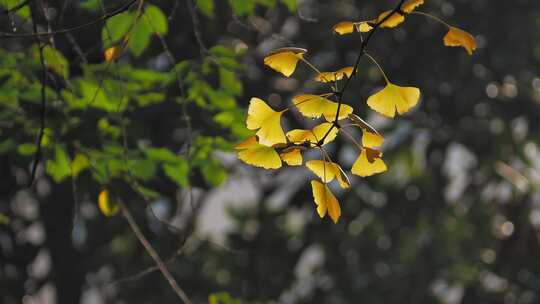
pixel 378 66
pixel 437 19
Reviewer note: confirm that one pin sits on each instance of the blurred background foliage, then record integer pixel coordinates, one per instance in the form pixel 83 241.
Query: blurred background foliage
pixel 456 219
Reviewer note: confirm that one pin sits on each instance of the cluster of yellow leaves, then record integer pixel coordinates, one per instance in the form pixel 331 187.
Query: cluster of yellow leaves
pixel 271 146
pixel 454 36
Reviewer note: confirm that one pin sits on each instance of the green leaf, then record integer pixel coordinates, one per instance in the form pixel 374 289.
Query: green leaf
pixel 56 61
pixel 116 28
pixel 140 38
pixel 229 82
pixel 213 172
pixel 162 155
pixel 178 173
pixel 206 7
pixel 26 149
pixel 243 7
pixel 291 4
pixel 59 167
pixel 156 19
pixel 23 11
pixel 80 163
pixel 222 298
pixel 144 169
pixel 148 193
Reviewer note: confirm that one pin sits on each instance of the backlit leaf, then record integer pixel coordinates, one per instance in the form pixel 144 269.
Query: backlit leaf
pixel 334 76
pixel 459 37
pixel 314 135
pixel 394 98
pixel 253 153
pixel 267 121
pixel 284 60
pixel 292 157
pixel 370 137
pixel 315 106
pixel 327 171
pixel 368 163
pixel 326 201
pixel 107 204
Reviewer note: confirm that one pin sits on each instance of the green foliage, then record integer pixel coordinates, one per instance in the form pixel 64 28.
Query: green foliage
pixel 222 298
pixel 138 28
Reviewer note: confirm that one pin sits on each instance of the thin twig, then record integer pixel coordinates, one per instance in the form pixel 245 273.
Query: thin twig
pixel 104 17
pixel 363 46
pixel 153 254
pixel 196 31
pixel 43 114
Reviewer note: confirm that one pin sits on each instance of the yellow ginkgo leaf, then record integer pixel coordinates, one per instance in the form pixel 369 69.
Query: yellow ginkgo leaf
pixel 369 163
pixel 363 27
pixel 326 201
pixel 253 153
pixel 112 53
pixel 261 117
pixel 106 203
pixel 370 136
pixel 410 5
pixel 392 98
pixel 284 60
pixel 327 171
pixel 348 27
pixel 314 135
pixel 292 157
pixel 334 76
pixel 343 28
pixel 394 20
pixel 459 37
pixel 315 106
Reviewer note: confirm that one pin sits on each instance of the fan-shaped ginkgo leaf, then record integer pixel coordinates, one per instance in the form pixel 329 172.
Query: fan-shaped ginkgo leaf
pixel 370 136
pixel 394 20
pixel 326 201
pixel 334 76
pixel 315 106
pixel 253 153
pixel 106 203
pixel 410 5
pixel 314 135
pixel 327 171
pixel 284 60
pixel 292 157
pixel 394 98
pixel 348 27
pixel 263 118
pixel 369 163
pixel 459 37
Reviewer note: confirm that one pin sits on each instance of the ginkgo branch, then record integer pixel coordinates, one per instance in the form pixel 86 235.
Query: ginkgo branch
pixel 361 52
pixel 153 254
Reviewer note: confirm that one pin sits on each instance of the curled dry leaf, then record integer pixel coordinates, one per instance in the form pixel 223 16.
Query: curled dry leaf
pixel 459 37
